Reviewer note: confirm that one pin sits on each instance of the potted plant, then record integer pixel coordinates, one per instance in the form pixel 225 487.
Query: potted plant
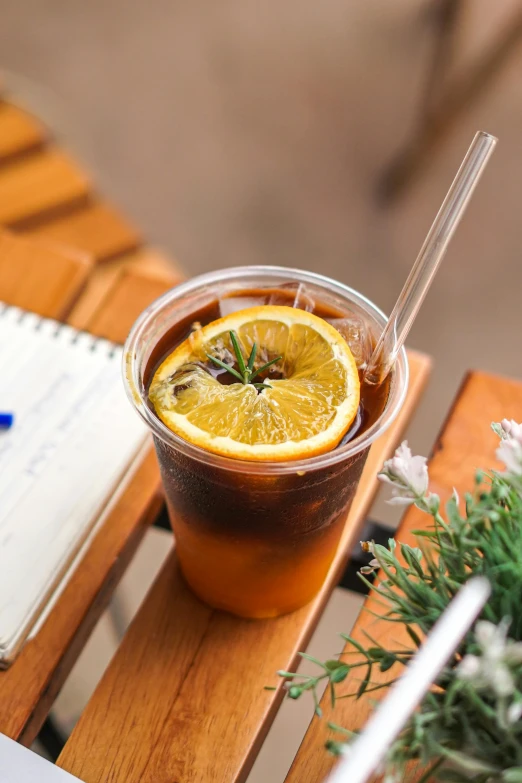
pixel 469 726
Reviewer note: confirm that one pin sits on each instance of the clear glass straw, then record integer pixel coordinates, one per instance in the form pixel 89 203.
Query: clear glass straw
pixel 431 254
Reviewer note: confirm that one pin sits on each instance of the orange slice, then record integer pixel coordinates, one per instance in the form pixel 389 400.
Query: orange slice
pixel 312 399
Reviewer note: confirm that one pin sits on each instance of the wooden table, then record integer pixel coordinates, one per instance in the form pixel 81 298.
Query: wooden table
pixel 75 257
pixel 183 698
pixel 170 708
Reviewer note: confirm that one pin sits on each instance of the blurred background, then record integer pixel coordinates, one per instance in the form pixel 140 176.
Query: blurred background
pixel 318 135
pixel 321 135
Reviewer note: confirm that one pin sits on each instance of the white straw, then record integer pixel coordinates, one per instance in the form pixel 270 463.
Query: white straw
pixel 369 749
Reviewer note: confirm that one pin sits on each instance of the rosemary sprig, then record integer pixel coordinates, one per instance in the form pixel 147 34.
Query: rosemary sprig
pixel 246 372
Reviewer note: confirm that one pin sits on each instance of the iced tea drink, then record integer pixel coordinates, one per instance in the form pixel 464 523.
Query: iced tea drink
pixel 257 538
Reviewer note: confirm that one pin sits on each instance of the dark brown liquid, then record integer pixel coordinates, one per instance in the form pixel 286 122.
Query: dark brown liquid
pixel 258 544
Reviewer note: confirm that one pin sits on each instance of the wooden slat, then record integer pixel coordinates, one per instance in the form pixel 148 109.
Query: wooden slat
pixel 183 698
pixel 19 132
pixel 37 277
pixel 132 293
pixel 38 185
pixel 465 444
pixel 105 276
pixel 97 228
pixel 29 687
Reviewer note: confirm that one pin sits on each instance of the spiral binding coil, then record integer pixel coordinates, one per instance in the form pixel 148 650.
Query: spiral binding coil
pixel 113 349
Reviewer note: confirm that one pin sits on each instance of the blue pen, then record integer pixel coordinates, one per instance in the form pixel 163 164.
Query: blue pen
pixel 6 420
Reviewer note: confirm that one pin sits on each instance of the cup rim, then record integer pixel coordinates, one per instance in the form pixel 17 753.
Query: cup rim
pixel 135 390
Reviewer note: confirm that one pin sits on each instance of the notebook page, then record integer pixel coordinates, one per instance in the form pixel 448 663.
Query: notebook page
pixel 100 521
pixel 75 435
pixel 20 765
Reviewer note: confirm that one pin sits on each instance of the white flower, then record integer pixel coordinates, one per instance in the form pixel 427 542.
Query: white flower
pixel 492 668
pixel 514 712
pixel 510 449
pixel 470 667
pixel 411 471
pixel 501 680
pixel 510 453
pixel 369 546
pixel 407 474
pixel 371 567
pixel 511 429
pixel 491 638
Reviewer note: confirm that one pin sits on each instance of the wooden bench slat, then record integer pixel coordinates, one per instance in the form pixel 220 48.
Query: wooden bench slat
pixel 183 698
pixel 465 444
pixel 40 278
pixel 97 229
pixel 19 131
pixel 40 184
pixel 104 277
pixel 131 293
pixel 29 687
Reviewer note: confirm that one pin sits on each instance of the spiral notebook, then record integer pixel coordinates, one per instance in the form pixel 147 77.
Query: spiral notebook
pixel 72 444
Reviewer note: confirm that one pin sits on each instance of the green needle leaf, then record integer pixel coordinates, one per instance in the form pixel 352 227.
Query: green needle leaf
pixel 311 658
pixel 225 366
pixel 265 367
pixel 252 358
pixel 239 355
pixel 245 374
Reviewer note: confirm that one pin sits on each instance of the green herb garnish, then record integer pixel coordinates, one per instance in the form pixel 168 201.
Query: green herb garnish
pixel 246 372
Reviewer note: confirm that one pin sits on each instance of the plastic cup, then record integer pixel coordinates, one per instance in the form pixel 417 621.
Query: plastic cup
pixel 254 538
